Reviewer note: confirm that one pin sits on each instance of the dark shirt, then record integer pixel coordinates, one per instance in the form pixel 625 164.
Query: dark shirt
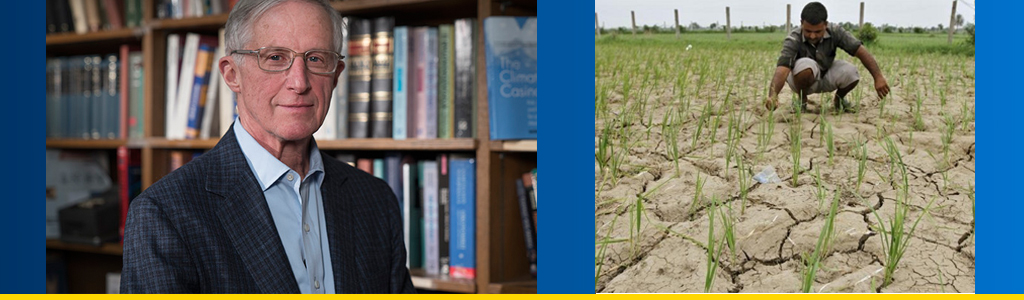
pixel 795 47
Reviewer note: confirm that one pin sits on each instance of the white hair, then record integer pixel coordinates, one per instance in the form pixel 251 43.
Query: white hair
pixel 238 30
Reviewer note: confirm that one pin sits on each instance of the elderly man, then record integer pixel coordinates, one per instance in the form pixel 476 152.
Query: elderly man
pixel 808 64
pixel 265 211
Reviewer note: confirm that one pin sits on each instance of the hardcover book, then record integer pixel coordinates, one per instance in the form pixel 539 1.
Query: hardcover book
pixel 511 49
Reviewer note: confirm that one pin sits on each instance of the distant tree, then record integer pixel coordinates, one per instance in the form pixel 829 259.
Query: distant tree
pixel 694 26
pixel 713 25
pixel 918 30
pixel 867 34
pixel 959 21
pixel 940 26
pixel 970 31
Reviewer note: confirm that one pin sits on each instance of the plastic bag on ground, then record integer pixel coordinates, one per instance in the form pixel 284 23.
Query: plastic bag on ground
pixel 767 175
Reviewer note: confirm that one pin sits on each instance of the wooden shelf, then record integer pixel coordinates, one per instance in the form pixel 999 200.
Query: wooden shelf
pixel 213 22
pixel 442 283
pixel 69 38
pixel 84 144
pixel 106 248
pixel 464 144
pixel 513 287
pixel 515 146
pixel 162 143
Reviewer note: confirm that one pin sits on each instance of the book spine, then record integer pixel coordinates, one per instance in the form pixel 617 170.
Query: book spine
pixel 133 13
pixel 528 234
pixel 380 86
pixel 359 74
pixel 512 76
pixel 393 173
pixel 92 15
pixel 378 168
pixel 417 96
pixel 97 102
pixel 62 14
pixel 465 73
pixel 443 210
pixel 401 81
pixel 54 96
pixel 463 218
pixel 136 107
pixel 431 83
pixel 431 218
pixel 113 12
pixel 186 82
pixel 406 209
pixel 171 84
pixel 212 85
pixel 122 179
pixel 365 164
pixel 115 105
pixel 416 216
pixel 78 16
pixel 123 98
pixel 445 80
pixel 51 19
pixel 341 89
pixel 197 102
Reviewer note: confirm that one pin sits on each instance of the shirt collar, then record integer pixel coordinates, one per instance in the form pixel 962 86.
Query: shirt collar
pixel 268 168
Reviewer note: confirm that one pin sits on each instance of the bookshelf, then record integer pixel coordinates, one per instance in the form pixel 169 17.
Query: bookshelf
pixel 502 266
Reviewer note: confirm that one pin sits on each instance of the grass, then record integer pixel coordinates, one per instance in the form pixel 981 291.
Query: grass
pixel 714 248
pixel 947 138
pixel 697 194
pixel 894 234
pixel 599 259
pixel 744 181
pixel 829 145
pixel 918 121
pixel 767 130
pixel 794 137
pixel 861 162
pixel 812 262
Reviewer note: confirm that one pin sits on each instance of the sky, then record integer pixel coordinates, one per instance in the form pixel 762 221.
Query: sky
pixel 923 13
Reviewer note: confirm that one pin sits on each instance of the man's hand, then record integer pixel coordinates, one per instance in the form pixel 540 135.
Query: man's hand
pixel 771 103
pixel 882 87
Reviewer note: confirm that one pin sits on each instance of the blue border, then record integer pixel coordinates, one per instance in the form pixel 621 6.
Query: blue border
pixel 566 64
pixel 998 227
pixel 21 219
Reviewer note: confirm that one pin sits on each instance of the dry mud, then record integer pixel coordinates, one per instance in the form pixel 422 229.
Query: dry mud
pixel 782 221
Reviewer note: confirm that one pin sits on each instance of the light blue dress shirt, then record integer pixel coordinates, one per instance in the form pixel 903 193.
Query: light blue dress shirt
pixel 298 211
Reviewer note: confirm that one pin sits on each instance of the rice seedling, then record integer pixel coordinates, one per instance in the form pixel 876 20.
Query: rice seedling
pixel 894 234
pixel 705 115
pixel 829 145
pixel 861 162
pixel 728 226
pixel 604 242
pixel 670 130
pixel 794 137
pixel 697 193
pixel 765 137
pixel 918 121
pixel 820 192
pixel 715 248
pixel 812 262
pixel 947 138
pixel 744 181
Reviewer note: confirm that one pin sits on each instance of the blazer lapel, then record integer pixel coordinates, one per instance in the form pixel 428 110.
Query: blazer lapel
pixel 338 218
pixel 247 220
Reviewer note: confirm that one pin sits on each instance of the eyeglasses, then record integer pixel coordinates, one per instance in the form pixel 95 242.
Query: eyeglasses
pixel 277 59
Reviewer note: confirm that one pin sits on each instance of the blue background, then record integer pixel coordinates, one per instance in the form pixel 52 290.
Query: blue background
pixel 566 116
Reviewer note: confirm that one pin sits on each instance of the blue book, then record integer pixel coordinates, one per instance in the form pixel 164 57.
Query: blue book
pixel 511 50
pixel 400 86
pixel 393 173
pixel 204 61
pixel 378 168
pixel 462 247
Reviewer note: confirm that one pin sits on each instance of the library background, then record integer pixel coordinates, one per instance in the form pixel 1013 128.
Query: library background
pixel 132 94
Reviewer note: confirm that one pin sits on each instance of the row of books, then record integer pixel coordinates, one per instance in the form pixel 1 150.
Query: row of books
pixel 198 104
pixel 179 9
pixel 75 176
pixel 88 96
pixel 438 200
pixel 83 16
pixel 526 189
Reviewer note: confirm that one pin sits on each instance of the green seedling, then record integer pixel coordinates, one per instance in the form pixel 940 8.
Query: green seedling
pixel 812 262
pixel 744 181
pixel 794 136
pixel 697 194
pixel 714 249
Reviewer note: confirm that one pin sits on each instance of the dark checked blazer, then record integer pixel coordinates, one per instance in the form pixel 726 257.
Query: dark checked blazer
pixel 206 228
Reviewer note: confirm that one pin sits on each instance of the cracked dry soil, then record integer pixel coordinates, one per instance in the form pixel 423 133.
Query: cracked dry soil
pixel 782 221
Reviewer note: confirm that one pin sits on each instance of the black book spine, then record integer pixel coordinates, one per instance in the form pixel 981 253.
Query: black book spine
pixel 383 53
pixel 465 72
pixel 524 210
pixel 360 69
pixel 443 225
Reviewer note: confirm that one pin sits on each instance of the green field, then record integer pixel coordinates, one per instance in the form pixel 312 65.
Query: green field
pixel 880 200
